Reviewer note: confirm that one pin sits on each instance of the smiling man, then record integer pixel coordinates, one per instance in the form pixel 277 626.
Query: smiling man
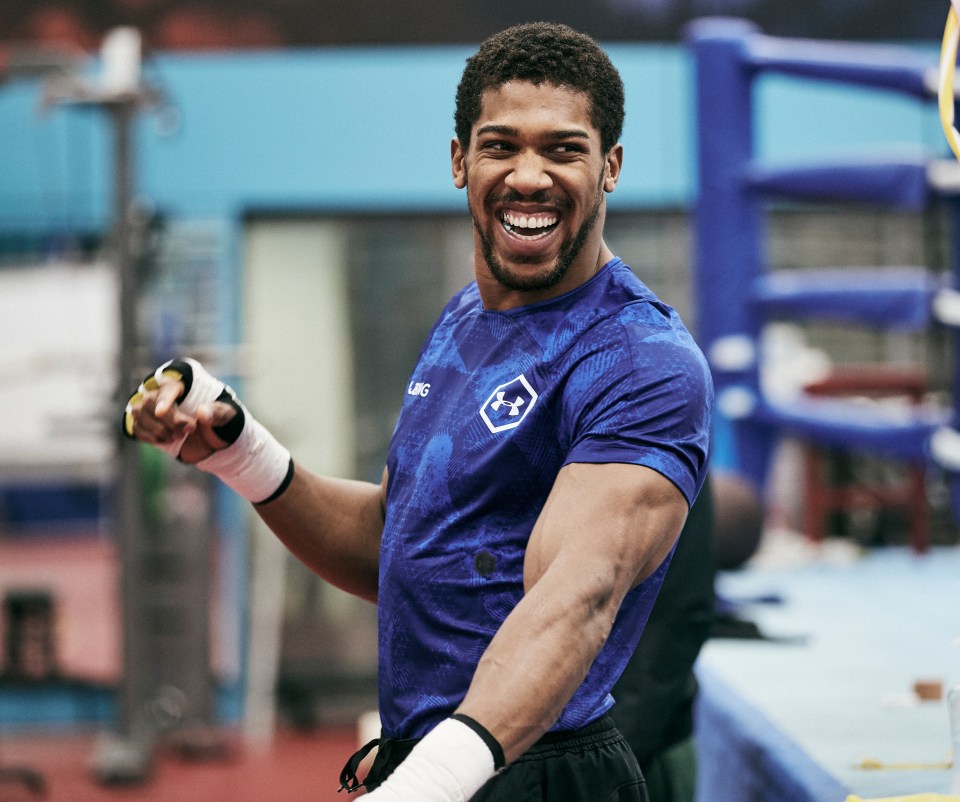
pixel 536 169
pixel 534 493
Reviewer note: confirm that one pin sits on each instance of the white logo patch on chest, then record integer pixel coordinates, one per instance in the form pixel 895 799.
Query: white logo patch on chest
pixel 508 405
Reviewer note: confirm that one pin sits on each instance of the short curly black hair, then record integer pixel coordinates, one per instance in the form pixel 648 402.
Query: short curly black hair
pixel 543 52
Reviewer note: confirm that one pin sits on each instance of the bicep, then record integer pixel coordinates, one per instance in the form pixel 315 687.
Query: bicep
pixel 619 519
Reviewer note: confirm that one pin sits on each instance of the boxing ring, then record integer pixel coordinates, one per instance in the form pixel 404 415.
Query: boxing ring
pixel 822 706
pixel 818 706
pixel 737 294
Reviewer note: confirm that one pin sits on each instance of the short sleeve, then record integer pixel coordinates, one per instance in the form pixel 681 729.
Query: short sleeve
pixel 640 392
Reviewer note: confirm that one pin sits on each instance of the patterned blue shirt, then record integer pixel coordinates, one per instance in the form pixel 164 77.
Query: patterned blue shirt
pixel 498 403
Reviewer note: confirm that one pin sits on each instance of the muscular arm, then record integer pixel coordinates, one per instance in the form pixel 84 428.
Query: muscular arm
pixel 332 525
pixel 604 529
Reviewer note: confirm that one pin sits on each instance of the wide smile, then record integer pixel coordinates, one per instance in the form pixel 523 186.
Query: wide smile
pixel 529 225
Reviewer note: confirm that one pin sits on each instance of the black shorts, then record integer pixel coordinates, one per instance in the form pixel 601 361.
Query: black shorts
pixel 592 764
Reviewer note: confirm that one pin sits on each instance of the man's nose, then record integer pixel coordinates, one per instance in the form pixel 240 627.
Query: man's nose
pixel 528 174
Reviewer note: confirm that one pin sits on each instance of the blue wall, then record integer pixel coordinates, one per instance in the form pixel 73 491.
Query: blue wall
pixel 369 129
pixel 359 128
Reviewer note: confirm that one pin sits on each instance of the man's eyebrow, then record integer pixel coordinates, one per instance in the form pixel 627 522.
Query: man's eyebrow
pixel 508 130
pixel 505 130
pixel 573 133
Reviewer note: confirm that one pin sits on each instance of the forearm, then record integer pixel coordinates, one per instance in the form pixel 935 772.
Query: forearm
pixel 333 526
pixel 537 660
pixel 533 666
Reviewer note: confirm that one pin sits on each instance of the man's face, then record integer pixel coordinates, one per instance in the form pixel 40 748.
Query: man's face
pixel 535 177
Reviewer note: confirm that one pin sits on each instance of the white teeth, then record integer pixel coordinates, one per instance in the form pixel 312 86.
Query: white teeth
pixel 523 221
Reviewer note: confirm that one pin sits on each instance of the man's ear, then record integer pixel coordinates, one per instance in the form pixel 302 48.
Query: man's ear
pixel 458 167
pixel 613 166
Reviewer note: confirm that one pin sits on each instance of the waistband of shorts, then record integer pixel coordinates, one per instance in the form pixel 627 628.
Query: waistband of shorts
pixel 596 733
pixel 602 730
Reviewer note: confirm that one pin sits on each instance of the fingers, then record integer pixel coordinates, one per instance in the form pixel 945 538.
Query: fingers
pixel 185 411
pixel 206 440
pixel 153 414
pixel 167 394
pixel 212 418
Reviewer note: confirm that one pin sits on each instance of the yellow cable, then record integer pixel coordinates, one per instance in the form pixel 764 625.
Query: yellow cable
pixel 948 66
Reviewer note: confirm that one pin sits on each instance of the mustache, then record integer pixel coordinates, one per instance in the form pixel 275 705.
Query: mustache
pixel 542 196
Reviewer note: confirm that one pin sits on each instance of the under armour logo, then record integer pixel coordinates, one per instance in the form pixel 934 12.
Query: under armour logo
pixel 501 414
pixel 502 402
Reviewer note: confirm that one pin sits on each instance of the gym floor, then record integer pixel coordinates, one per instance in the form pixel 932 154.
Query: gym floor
pixel 297 767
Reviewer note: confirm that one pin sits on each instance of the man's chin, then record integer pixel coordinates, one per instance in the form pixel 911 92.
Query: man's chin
pixel 527 277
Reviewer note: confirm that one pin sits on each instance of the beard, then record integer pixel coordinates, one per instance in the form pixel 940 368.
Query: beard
pixel 551 276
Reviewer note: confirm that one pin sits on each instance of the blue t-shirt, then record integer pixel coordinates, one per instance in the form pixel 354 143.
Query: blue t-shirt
pixel 498 403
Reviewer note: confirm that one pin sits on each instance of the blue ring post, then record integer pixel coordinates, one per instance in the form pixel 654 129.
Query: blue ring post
pixel 728 222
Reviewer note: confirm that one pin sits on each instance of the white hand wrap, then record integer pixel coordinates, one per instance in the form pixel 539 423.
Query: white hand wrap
pixel 450 764
pixel 255 465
